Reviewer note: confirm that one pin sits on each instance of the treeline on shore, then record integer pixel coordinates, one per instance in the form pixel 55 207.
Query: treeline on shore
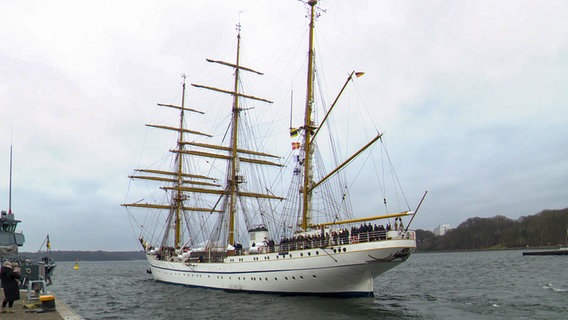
pixel 547 228
pixel 88 255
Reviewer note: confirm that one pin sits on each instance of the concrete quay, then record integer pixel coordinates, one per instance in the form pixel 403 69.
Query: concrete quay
pixel 22 311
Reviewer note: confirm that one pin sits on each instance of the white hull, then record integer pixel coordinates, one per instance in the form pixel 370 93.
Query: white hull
pixel 339 270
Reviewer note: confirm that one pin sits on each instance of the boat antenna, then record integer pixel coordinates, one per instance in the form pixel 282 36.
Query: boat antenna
pixel 10 186
pixel 10 183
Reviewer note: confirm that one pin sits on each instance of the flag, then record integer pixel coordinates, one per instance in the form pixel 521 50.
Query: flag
pixel 48 244
pixel 295 145
pixel 294 132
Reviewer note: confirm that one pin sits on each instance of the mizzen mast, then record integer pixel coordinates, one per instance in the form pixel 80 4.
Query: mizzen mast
pixel 177 178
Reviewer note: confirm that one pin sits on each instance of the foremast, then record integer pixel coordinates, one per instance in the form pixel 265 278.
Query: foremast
pixel 308 124
pixel 311 129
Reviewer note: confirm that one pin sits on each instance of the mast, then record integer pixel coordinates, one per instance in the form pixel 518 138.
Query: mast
pixel 308 126
pixel 233 179
pixel 178 199
pixel 176 178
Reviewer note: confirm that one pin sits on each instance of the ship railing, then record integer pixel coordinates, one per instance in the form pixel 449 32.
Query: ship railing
pixel 382 235
pixel 302 243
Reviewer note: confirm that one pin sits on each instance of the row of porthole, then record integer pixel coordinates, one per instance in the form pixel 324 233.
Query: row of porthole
pixel 275 279
pixel 339 250
pixel 252 278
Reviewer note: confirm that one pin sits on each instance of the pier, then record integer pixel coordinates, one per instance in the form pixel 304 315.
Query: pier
pixel 557 252
pixel 20 312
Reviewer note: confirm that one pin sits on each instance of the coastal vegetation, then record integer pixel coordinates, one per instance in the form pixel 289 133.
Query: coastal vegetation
pixel 547 228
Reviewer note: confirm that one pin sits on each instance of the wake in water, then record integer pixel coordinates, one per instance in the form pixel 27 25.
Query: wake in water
pixel 550 286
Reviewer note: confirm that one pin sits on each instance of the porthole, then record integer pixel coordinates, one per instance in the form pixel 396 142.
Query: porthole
pixel 286 278
pixel 314 276
pixel 317 253
pixel 344 249
pixel 334 251
pixel 293 278
pixel 301 254
pixel 302 277
pixel 309 253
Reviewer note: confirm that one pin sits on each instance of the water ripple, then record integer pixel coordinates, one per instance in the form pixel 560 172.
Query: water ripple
pixel 491 285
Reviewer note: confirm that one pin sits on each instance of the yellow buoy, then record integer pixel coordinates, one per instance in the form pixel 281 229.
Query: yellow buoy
pixel 76 266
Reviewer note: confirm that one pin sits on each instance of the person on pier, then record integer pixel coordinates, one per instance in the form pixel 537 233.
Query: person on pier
pixel 10 282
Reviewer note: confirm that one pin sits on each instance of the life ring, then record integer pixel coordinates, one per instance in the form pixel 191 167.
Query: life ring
pixel 354 239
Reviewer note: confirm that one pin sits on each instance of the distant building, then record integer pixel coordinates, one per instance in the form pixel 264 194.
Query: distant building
pixel 442 229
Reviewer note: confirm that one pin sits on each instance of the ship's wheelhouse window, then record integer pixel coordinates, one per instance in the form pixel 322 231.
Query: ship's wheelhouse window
pixel 8 227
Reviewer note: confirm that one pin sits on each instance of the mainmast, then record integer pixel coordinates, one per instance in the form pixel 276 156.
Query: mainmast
pixel 178 199
pixel 308 125
pixel 234 177
pixel 234 180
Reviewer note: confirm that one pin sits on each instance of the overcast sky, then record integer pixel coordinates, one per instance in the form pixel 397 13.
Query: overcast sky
pixel 472 95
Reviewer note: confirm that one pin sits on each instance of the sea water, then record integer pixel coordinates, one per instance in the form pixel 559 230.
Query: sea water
pixel 465 285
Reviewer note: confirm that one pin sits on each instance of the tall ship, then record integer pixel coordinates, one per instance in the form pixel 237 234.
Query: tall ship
pixel 222 226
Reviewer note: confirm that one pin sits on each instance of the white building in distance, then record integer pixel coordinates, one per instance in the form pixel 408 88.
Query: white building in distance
pixel 442 229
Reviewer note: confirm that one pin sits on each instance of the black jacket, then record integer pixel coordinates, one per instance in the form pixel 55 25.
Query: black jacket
pixel 10 284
